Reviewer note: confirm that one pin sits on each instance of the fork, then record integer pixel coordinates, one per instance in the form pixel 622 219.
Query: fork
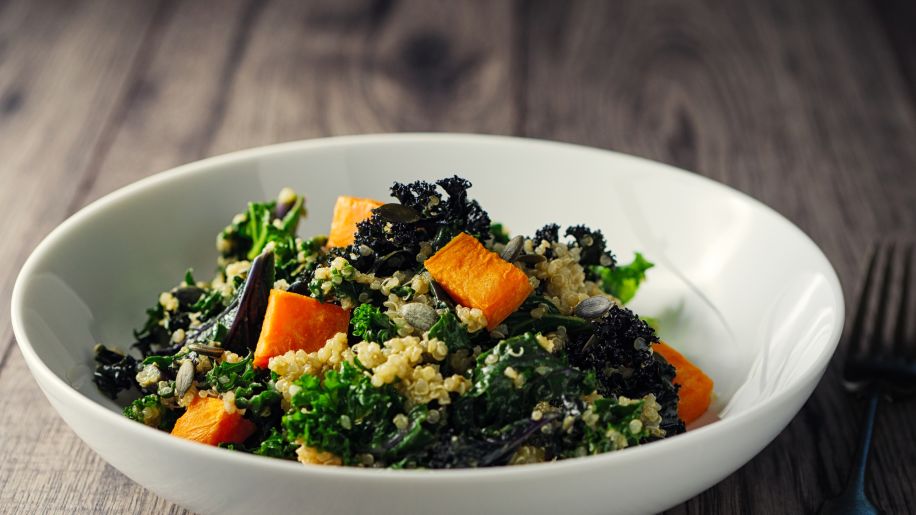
pixel 876 365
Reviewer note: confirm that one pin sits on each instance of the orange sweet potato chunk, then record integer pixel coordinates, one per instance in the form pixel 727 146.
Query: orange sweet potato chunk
pixel 478 278
pixel 295 322
pixel 206 421
pixel 349 211
pixel 695 393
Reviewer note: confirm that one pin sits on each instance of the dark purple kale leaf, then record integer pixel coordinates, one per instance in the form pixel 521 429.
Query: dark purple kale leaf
pixel 618 351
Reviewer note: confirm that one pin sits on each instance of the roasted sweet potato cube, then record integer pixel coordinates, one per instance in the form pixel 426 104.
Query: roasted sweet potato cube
pixel 695 393
pixel 295 322
pixel 207 421
pixel 349 211
pixel 478 278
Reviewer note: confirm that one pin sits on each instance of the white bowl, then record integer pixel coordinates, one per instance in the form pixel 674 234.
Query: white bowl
pixel 740 290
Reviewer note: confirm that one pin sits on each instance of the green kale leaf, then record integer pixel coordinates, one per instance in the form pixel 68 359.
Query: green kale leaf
pixel 452 332
pixel 514 376
pixel 344 414
pixel 277 445
pixel 622 281
pixel 370 324
pixel 150 411
pixel 499 232
pixel 228 376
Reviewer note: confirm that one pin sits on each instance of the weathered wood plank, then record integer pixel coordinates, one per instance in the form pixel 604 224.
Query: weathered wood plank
pixel 328 68
pixel 799 104
pixel 173 103
pixel 60 82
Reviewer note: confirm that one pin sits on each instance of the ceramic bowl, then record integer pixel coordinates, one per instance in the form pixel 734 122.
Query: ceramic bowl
pixel 738 289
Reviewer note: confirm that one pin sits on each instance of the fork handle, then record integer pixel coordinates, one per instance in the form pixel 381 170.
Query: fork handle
pixel 853 500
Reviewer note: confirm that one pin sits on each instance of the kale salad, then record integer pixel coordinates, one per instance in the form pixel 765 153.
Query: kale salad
pixel 417 334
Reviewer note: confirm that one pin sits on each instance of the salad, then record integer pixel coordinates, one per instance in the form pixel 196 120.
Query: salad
pixel 417 334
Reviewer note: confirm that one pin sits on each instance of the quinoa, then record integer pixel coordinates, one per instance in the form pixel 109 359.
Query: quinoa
pixel 291 366
pixel 472 318
pixel 313 456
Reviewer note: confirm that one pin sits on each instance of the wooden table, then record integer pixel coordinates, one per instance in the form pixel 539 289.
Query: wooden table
pixel 808 106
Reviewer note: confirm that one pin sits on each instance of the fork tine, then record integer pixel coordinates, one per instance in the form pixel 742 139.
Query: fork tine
pixel 878 339
pixel 857 343
pixel 901 343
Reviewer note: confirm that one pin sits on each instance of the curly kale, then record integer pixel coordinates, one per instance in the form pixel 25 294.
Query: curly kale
pixel 260 224
pixel 369 323
pixel 593 246
pixel 618 352
pixel 549 233
pixel 449 330
pixel 114 371
pixel 514 376
pixel 277 445
pixel 149 410
pixel 440 217
pixel 622 281
pixel 591 242
pixel 345 414
pixel 499 232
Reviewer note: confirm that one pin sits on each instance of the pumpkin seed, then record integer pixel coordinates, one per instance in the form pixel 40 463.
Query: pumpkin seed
pixel 593 307
pixel 184 378
pixel 397 213
pixel 531 259
pixel 513 248
pixel 207 350
pixel 419 315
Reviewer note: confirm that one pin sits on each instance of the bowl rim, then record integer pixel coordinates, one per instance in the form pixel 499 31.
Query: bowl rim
pixel 48 379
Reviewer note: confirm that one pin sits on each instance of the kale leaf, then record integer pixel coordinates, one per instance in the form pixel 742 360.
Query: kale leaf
pixel 277 445
pixel 261 223
pixel 227 376
pixel 514 376
pixel 618 352
pixel 622 281
pixel 149 410
pixel 499 232
pixel 369 323
pixel 114 371
pixel 522 322
pixel 451 331
pixel 345 414
pixel 592 244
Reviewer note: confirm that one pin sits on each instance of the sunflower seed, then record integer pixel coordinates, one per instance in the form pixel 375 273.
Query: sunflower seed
pixel 441 295
pixel 531 259
pixel 207 350
pixel 397 213
pixel 593 307
pixel 419 315
pixel 184 378
pixel 513 248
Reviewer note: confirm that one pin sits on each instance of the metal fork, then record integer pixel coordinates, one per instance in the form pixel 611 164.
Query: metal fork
pixel 877 365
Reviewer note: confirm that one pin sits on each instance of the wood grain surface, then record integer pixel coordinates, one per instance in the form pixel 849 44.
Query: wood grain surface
pixel 808 106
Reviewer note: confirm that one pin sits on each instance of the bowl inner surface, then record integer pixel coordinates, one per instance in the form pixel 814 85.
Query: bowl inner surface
pixel 737 288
